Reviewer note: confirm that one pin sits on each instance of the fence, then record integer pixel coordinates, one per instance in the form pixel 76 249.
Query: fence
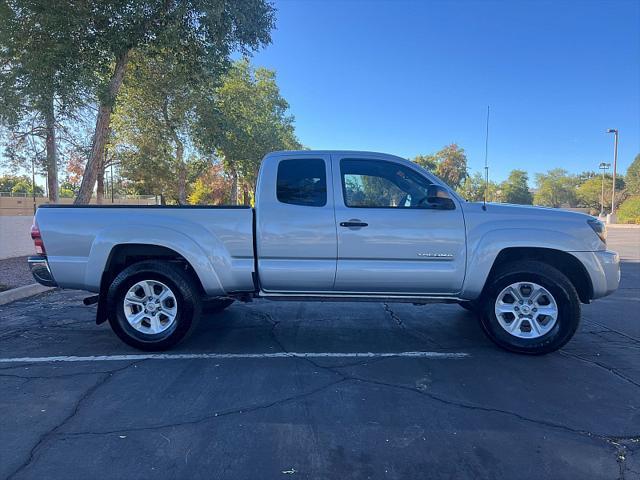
pixel 21 204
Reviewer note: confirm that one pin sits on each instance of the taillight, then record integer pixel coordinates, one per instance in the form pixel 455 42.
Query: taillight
pixel 37 239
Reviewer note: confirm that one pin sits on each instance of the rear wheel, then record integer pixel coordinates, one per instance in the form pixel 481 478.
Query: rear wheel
pixel 153 305
pixel 530 307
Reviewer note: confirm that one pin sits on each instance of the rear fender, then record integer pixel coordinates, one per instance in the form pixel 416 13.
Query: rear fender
pixel 203 251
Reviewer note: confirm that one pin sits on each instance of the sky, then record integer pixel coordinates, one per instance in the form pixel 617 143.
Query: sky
pixel 408 77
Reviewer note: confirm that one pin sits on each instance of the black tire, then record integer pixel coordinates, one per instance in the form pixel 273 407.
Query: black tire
pixel 183 286
pixel 552 280
pixel 216 305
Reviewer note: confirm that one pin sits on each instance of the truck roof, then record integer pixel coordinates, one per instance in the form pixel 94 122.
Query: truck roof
pixel 329 152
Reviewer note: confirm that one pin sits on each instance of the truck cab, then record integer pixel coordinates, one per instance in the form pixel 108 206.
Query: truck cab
pixel 356 224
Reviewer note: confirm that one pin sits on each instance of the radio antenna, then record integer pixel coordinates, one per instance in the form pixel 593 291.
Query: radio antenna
pixel 486 164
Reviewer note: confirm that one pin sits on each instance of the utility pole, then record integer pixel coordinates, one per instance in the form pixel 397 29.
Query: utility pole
pixel 603 166
pixel 615 164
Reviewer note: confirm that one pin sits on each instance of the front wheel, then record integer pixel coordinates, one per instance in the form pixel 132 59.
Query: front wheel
pixel 153 305
pixel 530 307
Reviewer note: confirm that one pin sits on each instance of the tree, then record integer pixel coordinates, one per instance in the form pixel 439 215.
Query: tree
pixel 449 164
pixel 629 211
pixel 516 188
pixel 250 119
pixel 589 193
pixel 155 114
pixel 212 188
pixel 18 184
pixel 632 177
pixel 200 34
pixel 428 162
pixel 42 76
pixel 555 188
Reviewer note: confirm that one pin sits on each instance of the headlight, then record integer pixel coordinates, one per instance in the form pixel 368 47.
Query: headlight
pixel 600 228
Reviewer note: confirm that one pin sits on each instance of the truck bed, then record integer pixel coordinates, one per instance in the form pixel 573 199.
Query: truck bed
pixel 216 240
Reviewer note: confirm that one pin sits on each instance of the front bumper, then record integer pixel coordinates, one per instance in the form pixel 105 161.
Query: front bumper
pixel 610 264
pixel 603 267
pixel 39 267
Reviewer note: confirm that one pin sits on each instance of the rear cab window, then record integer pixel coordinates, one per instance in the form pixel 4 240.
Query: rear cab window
pixel 302 182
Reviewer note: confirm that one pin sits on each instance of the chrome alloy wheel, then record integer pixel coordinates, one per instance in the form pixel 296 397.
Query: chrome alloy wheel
pixel 526 310
pixel 150 307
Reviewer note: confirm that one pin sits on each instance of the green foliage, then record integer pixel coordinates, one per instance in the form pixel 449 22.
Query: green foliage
pixel 629 211
pixel 201 193
pixel 41 56
pixel 153 122
pixel 473 187
pixel 8 181
pixel 589 193
pixel 633 176
pixel 248 119
pixel 211 188
pixel 18 184
pixel 45 72
pixel 555 188
pixel 516 188
pixel 449 164
pixel 428 162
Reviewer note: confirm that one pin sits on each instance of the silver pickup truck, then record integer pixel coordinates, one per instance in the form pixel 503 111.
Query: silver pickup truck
pixel 331 225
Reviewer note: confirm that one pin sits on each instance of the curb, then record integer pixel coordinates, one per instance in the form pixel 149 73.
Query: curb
pixel 22 292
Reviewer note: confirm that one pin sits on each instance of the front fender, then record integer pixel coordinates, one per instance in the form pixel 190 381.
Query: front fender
pixel 483 251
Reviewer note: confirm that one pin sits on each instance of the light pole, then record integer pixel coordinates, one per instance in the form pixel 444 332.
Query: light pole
pixel 615 164
pixel 603 166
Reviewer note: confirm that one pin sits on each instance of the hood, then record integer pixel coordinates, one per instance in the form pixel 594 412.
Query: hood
pixel 549 227
pixel 521 211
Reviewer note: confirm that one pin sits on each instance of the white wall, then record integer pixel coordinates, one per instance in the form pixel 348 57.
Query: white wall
pixel 15 238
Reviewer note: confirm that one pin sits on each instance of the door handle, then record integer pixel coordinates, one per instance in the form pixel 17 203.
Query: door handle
pixel 353 224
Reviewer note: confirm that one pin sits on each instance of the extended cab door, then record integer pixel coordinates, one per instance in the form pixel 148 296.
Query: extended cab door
pixel 295 224
pixel 391 239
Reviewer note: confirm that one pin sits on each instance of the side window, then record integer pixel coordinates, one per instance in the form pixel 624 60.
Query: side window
pixel 302 182
pixel 381 184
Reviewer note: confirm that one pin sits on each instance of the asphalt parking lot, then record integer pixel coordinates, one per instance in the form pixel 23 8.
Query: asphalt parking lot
pixel 231 402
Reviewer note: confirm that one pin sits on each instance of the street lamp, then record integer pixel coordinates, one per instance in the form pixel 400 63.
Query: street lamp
pixel 615 164
pixel 603 166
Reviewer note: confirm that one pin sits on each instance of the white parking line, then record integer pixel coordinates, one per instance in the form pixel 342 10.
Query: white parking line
pixel 218 356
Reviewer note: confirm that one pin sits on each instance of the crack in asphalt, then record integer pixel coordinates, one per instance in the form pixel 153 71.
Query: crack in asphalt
pixel 609 329
pixel 602 366
pixel 52 431
pixel 615 441
pixel 49 377
pixel 220 414
pixel 411 331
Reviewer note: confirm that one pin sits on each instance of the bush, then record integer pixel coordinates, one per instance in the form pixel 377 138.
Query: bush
pixel 629 211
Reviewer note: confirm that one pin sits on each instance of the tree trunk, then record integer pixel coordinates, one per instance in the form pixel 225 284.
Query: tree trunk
pixel 182 172
pixel 100 184
pixel 246 199
pixel 52 153
pixel 103 121
pixel 234 187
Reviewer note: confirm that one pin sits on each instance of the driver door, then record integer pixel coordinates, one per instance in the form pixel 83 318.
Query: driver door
pixel 389 241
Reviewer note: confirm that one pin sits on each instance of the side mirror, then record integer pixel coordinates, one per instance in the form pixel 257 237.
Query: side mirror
pixel 438 198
